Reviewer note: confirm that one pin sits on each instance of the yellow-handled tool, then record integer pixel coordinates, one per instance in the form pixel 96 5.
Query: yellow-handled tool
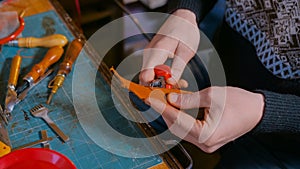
pixel 14 71
pixel 47 41
pixel 65 67
pixel 11 95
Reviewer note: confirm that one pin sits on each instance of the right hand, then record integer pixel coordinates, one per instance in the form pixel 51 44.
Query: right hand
pixel 178 38
pixel 229 112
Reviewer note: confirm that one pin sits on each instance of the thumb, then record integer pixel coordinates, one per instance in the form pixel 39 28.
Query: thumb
pixel 189 101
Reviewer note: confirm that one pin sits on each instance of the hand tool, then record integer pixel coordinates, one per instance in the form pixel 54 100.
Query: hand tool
pixel 36 75
pixel 47 41
pixel 65 67
pixel 162 74
pixel 44 140
pixel 10 106
pixel 52 56
pixel 42 112
pixel 143 92
pixel 11 95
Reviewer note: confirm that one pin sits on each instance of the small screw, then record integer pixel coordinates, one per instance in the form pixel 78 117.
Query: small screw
pixel 26 115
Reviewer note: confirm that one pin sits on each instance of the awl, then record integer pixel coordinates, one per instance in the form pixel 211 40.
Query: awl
pixel 65 67
pixel 47 41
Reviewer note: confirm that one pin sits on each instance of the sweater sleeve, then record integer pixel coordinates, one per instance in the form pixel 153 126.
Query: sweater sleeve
pixel 281 113
pixel 199 7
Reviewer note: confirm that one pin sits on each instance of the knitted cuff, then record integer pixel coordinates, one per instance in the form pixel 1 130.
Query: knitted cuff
pixel 281 113
pixel 192 5
pixel 199 7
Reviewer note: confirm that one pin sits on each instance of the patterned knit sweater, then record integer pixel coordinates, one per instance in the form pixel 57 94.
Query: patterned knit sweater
pixel 273 28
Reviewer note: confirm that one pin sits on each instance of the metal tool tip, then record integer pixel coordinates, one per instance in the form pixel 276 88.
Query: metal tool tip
pixel 49 98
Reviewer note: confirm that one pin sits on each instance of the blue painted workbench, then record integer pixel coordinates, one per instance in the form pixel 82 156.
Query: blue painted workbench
pixel 80 149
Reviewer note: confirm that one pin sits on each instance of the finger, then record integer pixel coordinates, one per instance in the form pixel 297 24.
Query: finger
pixel 156 53
pixel 178 122
pixel 183 55
pixel 190 101
pixel 180 84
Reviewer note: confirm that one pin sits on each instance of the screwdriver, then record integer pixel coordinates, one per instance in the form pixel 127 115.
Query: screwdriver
pixel 52 56
pixel 47 41
pixel 65 67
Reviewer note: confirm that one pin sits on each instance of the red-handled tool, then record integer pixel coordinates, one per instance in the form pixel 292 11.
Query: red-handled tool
pixel 162 74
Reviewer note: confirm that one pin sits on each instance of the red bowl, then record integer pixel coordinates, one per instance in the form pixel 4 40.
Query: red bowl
pixel 40 158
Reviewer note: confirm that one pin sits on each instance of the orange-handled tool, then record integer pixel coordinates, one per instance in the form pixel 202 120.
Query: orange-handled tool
pixel 47 41
pixel 11 95
pixel 65 67
pixel 52 56
pixel 143 92
pixel 14 71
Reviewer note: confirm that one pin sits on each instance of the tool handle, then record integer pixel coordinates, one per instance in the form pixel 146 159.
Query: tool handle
pixel 60 133
pixel 47 41
pixel 71 55
pixel 55 128
pixel 52 56
pixel 14 71
pixel 163 71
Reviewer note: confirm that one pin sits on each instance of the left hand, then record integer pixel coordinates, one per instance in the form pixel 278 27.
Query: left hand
pixel 229 113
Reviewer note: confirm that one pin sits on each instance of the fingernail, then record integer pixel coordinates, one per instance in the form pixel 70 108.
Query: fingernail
pixel 172 97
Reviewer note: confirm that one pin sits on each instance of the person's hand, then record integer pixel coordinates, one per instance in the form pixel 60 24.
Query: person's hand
pixel 178 38
pixel 229 113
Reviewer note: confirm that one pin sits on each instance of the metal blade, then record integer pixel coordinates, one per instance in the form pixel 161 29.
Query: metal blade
pixel 22 95
pixel 4 136
pixel 10 101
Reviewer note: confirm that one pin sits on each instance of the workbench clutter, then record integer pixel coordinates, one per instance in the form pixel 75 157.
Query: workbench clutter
pixel 52 98
pixel 15 93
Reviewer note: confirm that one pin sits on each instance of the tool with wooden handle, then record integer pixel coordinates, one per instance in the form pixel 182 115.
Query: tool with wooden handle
pixel 11 95
pixel 39 69
pixel 47 41
pixel 65 67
